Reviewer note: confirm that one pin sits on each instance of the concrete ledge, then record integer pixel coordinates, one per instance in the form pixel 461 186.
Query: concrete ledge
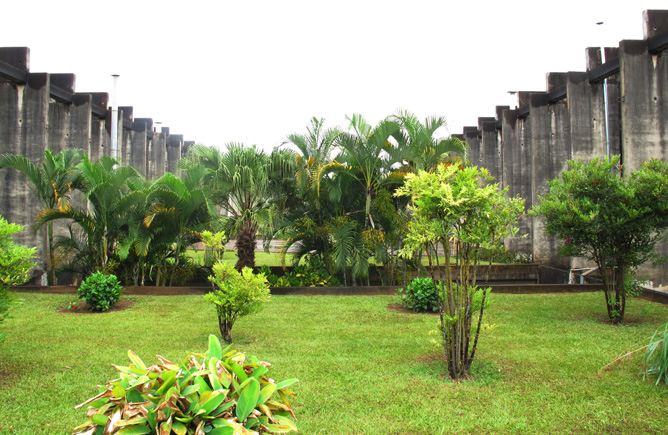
pixel 655 295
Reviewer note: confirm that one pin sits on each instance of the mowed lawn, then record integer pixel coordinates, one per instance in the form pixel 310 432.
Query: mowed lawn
pixel 363 368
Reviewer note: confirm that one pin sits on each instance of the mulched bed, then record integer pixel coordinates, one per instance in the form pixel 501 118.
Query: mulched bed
pixel 82 307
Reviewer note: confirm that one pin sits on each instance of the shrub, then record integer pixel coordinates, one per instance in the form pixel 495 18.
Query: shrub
pixel 420 295
pixel 311 274
pixel 219 392
pixel 238 294
pixel 100 291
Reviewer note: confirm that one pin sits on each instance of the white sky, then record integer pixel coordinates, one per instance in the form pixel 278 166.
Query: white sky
pixel 256 71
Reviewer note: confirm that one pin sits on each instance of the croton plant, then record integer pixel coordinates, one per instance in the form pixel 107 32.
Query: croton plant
pixel 221 392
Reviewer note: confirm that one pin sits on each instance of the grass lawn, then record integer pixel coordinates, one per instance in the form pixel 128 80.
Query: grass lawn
pixel 363 369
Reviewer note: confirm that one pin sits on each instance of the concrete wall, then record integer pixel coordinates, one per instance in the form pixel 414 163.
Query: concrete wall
pixel 40 111
pixel 568 121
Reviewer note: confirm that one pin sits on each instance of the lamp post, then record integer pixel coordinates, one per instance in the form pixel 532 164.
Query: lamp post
pixel 114 119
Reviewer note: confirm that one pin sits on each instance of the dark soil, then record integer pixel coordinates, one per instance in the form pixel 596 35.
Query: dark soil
pixel 83 308
pixel 399 308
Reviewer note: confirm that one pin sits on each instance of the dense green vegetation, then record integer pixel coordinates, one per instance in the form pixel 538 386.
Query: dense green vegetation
pixel 362 368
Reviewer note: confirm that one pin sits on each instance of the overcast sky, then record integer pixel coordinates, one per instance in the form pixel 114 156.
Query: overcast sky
pixel 256 71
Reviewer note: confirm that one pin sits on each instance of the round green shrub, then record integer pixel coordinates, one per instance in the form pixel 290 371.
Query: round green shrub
pixel 420 295
pixel 100 291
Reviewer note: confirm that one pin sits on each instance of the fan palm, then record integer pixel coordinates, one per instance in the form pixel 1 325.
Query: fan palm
pixel 246 185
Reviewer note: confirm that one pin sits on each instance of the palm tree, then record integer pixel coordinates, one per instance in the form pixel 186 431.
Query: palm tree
pixel 366 157
pixel 247 185
pixel 315 148
pixel 178 211
pixel 112 192
pixel 52 182
pixel 420 147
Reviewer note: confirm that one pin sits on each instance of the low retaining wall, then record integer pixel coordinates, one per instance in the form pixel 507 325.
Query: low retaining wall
pixel 649 294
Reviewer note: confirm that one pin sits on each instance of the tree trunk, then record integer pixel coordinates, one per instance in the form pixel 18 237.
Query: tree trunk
pixel 225 330
pixel 246 245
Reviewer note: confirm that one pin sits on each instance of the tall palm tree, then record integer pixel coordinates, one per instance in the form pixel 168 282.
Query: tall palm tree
pixel 52 182
pixel 246 185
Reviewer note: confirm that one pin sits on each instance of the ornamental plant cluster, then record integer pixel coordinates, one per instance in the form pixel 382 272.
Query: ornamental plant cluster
pixel 420 295
pixel 221 392
pixel 100 291
pixel 238 294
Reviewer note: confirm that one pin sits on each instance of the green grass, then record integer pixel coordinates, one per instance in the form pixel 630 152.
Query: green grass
pixel 261 258
pixel 363 369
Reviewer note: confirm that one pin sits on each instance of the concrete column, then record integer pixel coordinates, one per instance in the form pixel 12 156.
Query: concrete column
pixel 158 154
pixel 80 126
pixel 517 175
pixel 99 136
pixel 550 150
pixel 125 119
pixel 60 117
pixel 644 105
pixel 490 148
pixel 586 111
pixel 472 139
pixel 137 158
pixel 173 152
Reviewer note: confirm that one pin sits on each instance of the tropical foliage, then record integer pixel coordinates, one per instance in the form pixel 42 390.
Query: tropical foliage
pixel 614 220
pixel 52 182
pixel 238 294
pixel 220 392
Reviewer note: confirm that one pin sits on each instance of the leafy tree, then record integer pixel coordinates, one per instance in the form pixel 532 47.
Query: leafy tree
pixel 52 182
pixel 613 220
pixel 15 264
pixel 238 294
pixel 455 204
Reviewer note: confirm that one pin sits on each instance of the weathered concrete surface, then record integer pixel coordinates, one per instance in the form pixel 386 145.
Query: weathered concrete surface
pixel 549 154
pixel 472 139
pixel 644 112
pixel 491 157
